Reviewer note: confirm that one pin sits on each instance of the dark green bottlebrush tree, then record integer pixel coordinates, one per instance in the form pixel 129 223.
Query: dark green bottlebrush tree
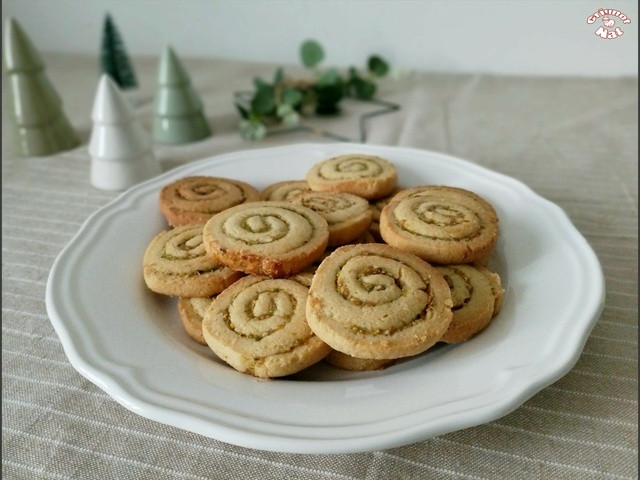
pixel 114 60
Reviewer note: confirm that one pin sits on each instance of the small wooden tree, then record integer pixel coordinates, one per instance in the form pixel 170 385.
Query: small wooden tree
pixel 34 107
pixel 179 112
pixel 114 60
pixel 121 151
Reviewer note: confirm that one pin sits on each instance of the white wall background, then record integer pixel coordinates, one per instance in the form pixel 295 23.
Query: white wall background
pixel 539 37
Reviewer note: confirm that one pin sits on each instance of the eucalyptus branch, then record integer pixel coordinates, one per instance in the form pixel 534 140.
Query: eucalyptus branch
pixel 284 100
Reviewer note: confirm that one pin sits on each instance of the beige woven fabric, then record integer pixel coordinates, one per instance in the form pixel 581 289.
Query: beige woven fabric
pixel 574 141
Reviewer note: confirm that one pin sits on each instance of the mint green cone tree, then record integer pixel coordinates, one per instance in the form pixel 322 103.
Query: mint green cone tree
pixel 178 110
pixel 40 126
pixel 114 60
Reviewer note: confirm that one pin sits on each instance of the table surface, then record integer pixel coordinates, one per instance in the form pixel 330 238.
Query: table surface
pixel 574 141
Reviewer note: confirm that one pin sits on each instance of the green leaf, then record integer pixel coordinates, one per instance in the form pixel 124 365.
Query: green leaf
pixel 329 77
pixel 244 113
pixel 252 129
pixel 263 101
pixel 283 109
pixel 328 97
pixel 311 53
pixel 259 83
pixel 291 96
pixel 364 89
pixel 378 66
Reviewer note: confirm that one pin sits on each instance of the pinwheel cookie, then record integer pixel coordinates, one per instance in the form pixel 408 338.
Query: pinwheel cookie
pixel 277 239
pixel 258 326
pixel 366 237
pixel 376 207
pixel 477 297
pixel 367 176
pixel 194 200
pixel 347 215
pixel 440 224
pixel 285 190
pixel 375 301
pixel 176 263
pixel 192 312
pixel 347 362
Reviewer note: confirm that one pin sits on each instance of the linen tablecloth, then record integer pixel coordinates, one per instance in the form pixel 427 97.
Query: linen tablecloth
pixel 574 141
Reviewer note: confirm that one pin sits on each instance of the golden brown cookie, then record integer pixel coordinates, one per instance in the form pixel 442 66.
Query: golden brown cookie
pixel 347 362
pixel 285 190
pixel 194 200
pixel 367 176
pixel 176 263
pixel 192 312
pixel 477 295
pixel 347 215
pixel 366 237
pixel 376 207
pixel 440 224
pixel 376 301
pixel 305 276
pixel 277 239
pixel 258 326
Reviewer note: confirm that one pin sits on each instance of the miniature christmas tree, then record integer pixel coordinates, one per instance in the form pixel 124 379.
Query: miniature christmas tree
pixel 114 60
pixel 35 108
pixel 179 113
pixel 121 152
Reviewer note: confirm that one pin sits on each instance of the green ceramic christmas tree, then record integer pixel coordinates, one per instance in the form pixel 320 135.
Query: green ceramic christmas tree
pixel 34 107
pixel 114 60
pixel 179 113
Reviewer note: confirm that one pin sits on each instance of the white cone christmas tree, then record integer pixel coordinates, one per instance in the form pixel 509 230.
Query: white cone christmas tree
pixel 120 150
pixel 179 113
pixel 34 107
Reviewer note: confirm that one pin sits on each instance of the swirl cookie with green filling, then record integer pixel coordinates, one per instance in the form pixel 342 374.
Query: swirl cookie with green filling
pixel 258 326
pixel 477 298
pixel 347 215
pixel 194 200
pixel 176 263
pixel 277 239
pixel 376 207
pixel 347 362
pixel 375 301
pixel 367 176
pixel 285 190
pixel 192 312
pixel 440 224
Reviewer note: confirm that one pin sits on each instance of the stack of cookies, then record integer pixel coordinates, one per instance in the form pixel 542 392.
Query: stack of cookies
pixel 342 266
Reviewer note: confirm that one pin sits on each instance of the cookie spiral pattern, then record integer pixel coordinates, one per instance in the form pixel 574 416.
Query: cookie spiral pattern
pixel 367 176
pixel 270 238
pixel 444 225
pixel 283 191
pixel 477 296
pixel 176 263
pixel 375 301
pixel 347 215
pixel 194 200
pixel 258 326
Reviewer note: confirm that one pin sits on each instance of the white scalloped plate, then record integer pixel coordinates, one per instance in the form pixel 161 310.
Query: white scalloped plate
pixel 130 342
